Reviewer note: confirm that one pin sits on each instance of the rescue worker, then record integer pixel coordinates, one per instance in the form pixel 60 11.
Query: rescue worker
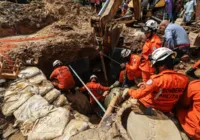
pixel 125 7
pixel 61 76
pixel 169 5
pixel 98 5
pixel 188 114
pixel 152 42
pixel 96 88
pixel 164 89
pixel 191 71
pixel 132 70
pixel 176 38
pixel 177 8
pixel 189 11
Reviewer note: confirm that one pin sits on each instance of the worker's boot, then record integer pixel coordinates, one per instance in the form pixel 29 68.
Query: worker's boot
pixel 191 73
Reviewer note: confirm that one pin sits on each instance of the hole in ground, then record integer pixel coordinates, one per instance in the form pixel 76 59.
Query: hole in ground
pixel 84 66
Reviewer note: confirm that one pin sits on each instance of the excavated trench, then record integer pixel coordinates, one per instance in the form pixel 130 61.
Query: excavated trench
pixel 58 29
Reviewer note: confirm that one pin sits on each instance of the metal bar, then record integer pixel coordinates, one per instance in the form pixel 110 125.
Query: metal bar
pixel 104 67
pixel 155 18
pixel 88 89
pixel 103 8
pixel 111 58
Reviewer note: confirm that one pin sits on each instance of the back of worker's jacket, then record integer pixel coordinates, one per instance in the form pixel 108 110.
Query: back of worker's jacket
pixel 148 48
pixel 64 77
pixel 97 89
pixel 162 91
pixel 132 67
pixel 189 117
pixel 175 35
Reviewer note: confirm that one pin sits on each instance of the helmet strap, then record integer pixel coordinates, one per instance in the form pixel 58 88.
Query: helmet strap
pixel 157 70
pixel 151 34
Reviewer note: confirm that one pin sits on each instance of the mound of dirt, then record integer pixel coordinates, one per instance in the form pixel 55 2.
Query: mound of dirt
pixel 134 39
pixel 68 39
pixel 23 18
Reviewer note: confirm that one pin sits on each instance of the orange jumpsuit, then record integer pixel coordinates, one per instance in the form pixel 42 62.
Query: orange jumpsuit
pixel 148 48
pixel 162 91
pixel 64 77
pixel 96 89
pixel 189 117
pixel 196 65
pixel 132 69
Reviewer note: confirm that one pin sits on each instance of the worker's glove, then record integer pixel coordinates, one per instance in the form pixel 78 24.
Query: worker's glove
pixel 111 87
pixel 124 96
pixel 105 93
pixel 122 65
pixel 116 84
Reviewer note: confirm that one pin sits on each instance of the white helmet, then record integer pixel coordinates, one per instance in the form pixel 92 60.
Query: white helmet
pixel 57 62
pixel 125 53
pixel 160 54
pixel 152 24
pixel 93 76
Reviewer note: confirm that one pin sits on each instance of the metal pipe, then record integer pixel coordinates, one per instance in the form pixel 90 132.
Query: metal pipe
pixel 103 8
pixel 111 59
pixel 88 89
pixel 155 18
pixel 104 67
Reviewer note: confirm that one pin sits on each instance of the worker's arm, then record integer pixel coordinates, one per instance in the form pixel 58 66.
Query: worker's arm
pixel 104 88
pixel 186 98
pixel 169 39
pixel 53 74
pixel 149 87
pixel 82 89
pixel 133 64
pixel 145 52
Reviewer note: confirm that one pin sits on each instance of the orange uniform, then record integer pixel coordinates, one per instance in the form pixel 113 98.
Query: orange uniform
pixel 64 77
pixel 162 91
pixel 196 65
pixel 96 89
pixel 189 117
pixel 148 48
pixel 132 69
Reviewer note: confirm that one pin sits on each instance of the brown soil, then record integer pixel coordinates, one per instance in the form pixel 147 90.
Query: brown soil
pixel 23 18
pixel 68 39
pixel 133 39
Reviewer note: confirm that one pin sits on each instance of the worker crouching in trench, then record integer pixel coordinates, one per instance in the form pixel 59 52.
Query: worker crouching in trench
pixel 61 77
pixel 132 72
pixel 152 42
pixel 97 90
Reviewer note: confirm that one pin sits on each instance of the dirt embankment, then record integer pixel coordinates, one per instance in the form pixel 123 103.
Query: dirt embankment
pixel 134 39
pixel 66 33
pixel 70 36
pixel 23 18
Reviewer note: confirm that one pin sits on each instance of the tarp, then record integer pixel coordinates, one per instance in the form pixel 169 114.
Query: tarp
pixel 36 107
pixel 52 95
pixel 14 102
pixel 73 128
pixel 51 126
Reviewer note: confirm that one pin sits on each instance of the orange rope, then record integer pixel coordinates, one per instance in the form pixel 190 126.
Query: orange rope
pixel 26 39
pixel 4 48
